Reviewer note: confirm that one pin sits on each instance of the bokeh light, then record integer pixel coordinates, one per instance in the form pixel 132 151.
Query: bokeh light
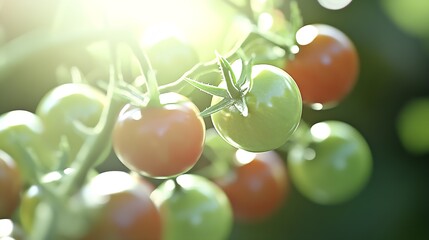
pixel 413 126
pixel 411 16
pixel 334 4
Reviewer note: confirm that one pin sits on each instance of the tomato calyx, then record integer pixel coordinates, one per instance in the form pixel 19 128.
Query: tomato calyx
pixel 235 91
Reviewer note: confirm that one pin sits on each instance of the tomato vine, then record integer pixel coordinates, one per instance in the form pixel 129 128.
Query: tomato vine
pixel 158 133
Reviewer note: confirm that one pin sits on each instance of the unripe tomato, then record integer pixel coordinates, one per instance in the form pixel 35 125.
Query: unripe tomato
pixel 10 185
pixel 67 105
pixel 127 211
pixel 334 167
pixel 326 66
pixel 160 141
pixel 412 127
pixel 19 130
pixel 193 208
pixel 32 196
pixel 171 57
pixel 257 186
pixel 275 106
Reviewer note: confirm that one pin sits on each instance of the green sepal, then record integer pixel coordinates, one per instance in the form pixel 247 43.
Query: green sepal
pixel 245 80
pixel 241 106
pixel 228 77
pixel 224 103
pixel 208 88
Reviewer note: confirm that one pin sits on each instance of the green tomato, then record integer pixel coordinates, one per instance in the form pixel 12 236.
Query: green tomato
pixel 20 129
pixel 32 196
pixel 275 106
pixel 334 167
pixel 412 126
pixel 194 208
pixel 64 108
pixel 171 57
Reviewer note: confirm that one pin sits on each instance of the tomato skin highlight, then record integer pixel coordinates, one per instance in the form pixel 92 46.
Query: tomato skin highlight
pixel 275 107
pixel 325 69
pixel 334 167
pixel 258 188
pixel 160 141
pixel 10 185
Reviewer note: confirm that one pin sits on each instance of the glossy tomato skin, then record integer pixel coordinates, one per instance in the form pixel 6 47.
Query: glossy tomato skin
pixel 275 107
pixel 160 141
pixel 326 68
pixel 66 104
pixel 128 213
pixel 194 209
pixel 24 128
pixel 334 167
pixel 257 187
pixel 10 185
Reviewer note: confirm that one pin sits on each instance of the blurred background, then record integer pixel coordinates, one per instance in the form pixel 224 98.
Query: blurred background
pixel 392 38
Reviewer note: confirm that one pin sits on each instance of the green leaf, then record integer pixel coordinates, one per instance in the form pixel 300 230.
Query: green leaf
pixel 208 88
pixel 229 77
pixel 224 103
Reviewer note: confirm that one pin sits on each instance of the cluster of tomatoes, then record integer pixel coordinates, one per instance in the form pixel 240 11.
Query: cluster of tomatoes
pixel 188 177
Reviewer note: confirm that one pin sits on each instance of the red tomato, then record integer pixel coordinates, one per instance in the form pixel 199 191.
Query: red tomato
pixel 257 187
pixel 326 66
pixel 127 213
pixel 160 141
pixel 10 185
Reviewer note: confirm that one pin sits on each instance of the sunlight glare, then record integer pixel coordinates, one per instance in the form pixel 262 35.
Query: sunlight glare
pixel 265 21
pixel 320 131
pixel 6 227
pixel 108 183
pixel 306 34
pixel 244 157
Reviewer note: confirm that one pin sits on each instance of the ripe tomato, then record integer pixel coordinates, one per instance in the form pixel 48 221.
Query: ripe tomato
pixel 127 211
pixel 326 66
pixel 195 208
pixel 275 106
pixel 64 106
pixel 20 127
pixel 160 141
pixel 257 187
pixel 334 167
pixel 10 185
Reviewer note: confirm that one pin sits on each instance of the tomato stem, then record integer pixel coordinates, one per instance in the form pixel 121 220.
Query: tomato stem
pixel 148 73
pixel 95 144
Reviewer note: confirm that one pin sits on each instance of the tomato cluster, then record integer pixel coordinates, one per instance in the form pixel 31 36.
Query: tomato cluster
pixel 193 168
